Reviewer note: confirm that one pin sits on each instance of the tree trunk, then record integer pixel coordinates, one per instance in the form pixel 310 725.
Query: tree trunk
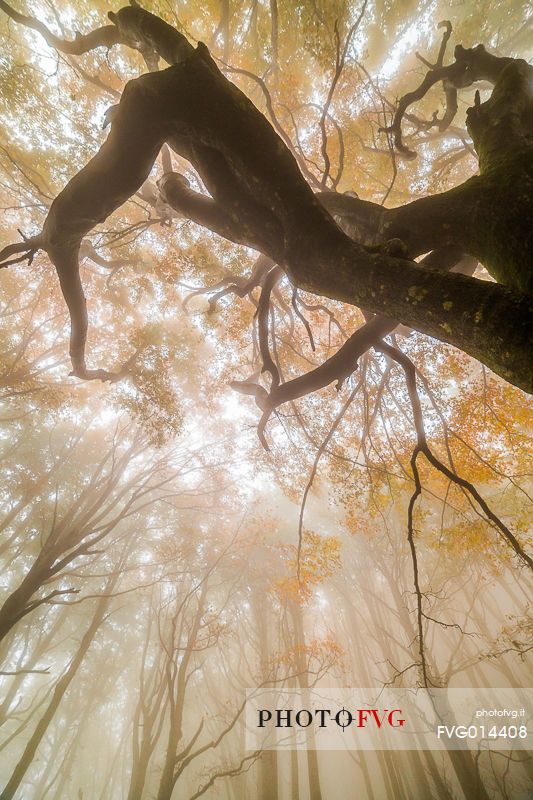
pixel 260 198
pixel 313 773
pixel 268 763
pixel 57 696
pixel 177 702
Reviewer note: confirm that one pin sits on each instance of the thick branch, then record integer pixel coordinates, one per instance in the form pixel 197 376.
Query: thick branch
pixel 344 362
pixel 106 36
pixel 211 122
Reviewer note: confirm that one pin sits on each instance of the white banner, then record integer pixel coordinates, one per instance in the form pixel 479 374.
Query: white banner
pixel 389 719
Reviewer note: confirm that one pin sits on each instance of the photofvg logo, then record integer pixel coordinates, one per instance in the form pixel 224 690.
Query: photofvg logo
pixel 322 719
pixel 343 718
pixel 387 719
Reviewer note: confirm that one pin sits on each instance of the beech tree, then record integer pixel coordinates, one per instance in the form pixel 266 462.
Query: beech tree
pixel 259 197
pixel 260 193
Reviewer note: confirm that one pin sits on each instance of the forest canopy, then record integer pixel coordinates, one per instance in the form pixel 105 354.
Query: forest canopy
pixel 265 358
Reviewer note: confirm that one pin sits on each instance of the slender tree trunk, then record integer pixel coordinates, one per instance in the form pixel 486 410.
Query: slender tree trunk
pixel 315 790
pixel 57 696
pixel 147 724
pixel 362 763
pixel 63 773
pixel 423 788
pixel 138 775
pixel 268 763
pixel 177 702
pixel 443 791
pixel 295 781
pixel 40 649
pixel 463 763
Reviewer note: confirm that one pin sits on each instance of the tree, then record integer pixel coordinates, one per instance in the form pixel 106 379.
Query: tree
pixel 57 696
pixel 83 517
pixel 205 119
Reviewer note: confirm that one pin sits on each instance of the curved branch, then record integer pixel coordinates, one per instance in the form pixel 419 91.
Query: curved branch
pixel 106 36
pixel 344 362
pixel 27 248
pixel 447 25
pixel 234 284
pixel 305 322
pixel 469 66
pixel 423 447
pixel 263 311
pixel 340 61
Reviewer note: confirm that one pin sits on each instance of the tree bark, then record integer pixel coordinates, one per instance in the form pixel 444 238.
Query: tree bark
pixel 259 197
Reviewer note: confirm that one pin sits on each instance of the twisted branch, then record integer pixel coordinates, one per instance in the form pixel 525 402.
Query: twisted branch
pixel 469 66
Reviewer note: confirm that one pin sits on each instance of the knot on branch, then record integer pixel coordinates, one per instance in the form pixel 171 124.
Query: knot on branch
pixel 109 115
pixel 175 193
pixel 467 54
pixel 396 248
pixel 173 184
pixel 504 121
